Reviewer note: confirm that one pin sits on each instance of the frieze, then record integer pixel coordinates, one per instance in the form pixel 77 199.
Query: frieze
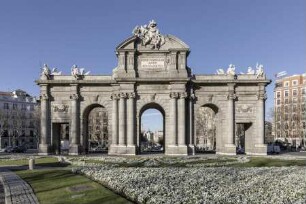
pixel 245 108
pixel 60 108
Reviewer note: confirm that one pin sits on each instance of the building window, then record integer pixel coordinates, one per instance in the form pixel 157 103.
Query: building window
pixel 294 108
pixel 23 107
pixel 304 125
pixel 286 101
pixel 278 94
pixel 294 82
pixel 303 91
pixel 6 106
pixel 286 93
pixel 31 107
pixel 286 83
pixel 286 109
pixel 294 92
pixel 294 100
pixel 278 102
pixel 15 106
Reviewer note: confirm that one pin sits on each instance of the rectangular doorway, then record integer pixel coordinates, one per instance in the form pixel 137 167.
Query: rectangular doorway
pixel 60 138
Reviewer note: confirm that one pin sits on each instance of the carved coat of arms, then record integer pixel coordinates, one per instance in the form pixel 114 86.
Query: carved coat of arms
pixel 149 35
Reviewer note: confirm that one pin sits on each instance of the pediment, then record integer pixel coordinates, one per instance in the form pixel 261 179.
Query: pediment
pixel 170 43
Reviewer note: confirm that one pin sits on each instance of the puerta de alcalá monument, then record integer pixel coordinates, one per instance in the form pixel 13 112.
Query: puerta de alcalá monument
pixel 152 72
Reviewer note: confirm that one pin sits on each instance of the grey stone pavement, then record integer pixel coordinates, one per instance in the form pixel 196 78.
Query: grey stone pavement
pixel 14 189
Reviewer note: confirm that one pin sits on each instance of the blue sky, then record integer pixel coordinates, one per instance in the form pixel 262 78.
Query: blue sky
pixel 219 32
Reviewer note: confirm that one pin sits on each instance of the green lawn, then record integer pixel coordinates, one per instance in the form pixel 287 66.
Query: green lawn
pixel 56 186
pixel 44 161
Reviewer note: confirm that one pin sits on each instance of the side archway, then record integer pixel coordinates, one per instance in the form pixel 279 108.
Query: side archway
pixel 95 134
pixel 206 139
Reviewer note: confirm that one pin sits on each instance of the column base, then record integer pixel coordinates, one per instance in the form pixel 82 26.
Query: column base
pixel 74 149
pixel 259 150
pixel 191 150
pixel 228 149
pixel 44 149
pixel 122 150
pixel 175 150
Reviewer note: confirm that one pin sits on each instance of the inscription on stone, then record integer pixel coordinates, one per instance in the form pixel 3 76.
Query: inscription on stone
pixel 153 63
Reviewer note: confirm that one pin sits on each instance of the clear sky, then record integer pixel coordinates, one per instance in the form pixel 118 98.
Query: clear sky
pixel 219 32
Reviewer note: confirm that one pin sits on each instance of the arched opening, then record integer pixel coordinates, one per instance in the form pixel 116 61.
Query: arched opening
pixel 152 130
pixel 206 129
pixel 96 130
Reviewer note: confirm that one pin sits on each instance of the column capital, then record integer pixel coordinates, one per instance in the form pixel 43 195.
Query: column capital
pixel 174 95
pixel 44 97
pixel 262 96
pixel 114 96
pixel 74 96
pixel 123 95
pixel 183 95
pixel 131 95
pixel 231 96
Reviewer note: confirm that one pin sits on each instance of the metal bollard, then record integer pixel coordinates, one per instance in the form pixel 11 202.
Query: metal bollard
pixel 31 164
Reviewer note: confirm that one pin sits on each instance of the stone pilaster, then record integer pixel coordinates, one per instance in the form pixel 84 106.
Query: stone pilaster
pixel 181 119
pixel 114 98
pixel 131 148
pixel 122 119
pixel 44 125
pixel 74 125
pixel 191 147
pixel 173 115
pixel 229 146
pixel 259 147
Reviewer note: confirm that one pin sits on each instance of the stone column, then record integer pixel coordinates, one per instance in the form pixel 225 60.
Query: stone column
pixel 229 146
pixel 172 140
pixel 181 119
pixel 122 120
pixel 259 148
pixel 130 120
pixel 74 125
pixel 114 97
pixel 191 149
pixel 44 125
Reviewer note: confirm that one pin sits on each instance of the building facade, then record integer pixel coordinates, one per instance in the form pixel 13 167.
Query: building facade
pixel 289 103
pixel 19 119
pixel 152 72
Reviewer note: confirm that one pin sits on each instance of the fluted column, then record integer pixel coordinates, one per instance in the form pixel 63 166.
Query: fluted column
pixel 122 119
pixel 231 119
pixel 173 137
pixel 75 120
pixel 181 119
pixel 130 119
pixel 115 97
pixel 44 118
pixel 261 118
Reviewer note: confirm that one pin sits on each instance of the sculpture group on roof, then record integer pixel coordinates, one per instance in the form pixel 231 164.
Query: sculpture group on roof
pixel 149 35
pixel 76 72
pixel 259 72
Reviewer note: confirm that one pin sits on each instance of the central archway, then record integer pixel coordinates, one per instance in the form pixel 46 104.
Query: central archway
pixel 152 129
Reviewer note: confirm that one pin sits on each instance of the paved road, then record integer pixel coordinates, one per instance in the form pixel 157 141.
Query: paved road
pixel 16 190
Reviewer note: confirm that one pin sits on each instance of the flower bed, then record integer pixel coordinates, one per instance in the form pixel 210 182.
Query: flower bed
pixel 203 185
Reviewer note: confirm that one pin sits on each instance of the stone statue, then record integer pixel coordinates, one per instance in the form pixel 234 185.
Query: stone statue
pixel 251 70
pixel 231 70
pixel 78 72
pixel 55 72
pixel 45 74
pixel 259 70
pixel 149 35
pixel 75 71
pixel 220 71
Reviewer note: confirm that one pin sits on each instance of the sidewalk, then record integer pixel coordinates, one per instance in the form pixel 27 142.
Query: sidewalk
pixel 16 190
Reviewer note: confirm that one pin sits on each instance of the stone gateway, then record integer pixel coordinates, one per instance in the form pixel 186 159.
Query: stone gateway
pixel 152 72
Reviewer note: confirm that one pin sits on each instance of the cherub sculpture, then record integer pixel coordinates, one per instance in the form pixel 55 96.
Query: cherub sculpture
pixel 231 70
pixel 45 73
pixel 259 70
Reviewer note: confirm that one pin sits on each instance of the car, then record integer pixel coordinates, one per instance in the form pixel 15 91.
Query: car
pixel 19 149
pixel 8 149
pixel 273 149
pixel 240 150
